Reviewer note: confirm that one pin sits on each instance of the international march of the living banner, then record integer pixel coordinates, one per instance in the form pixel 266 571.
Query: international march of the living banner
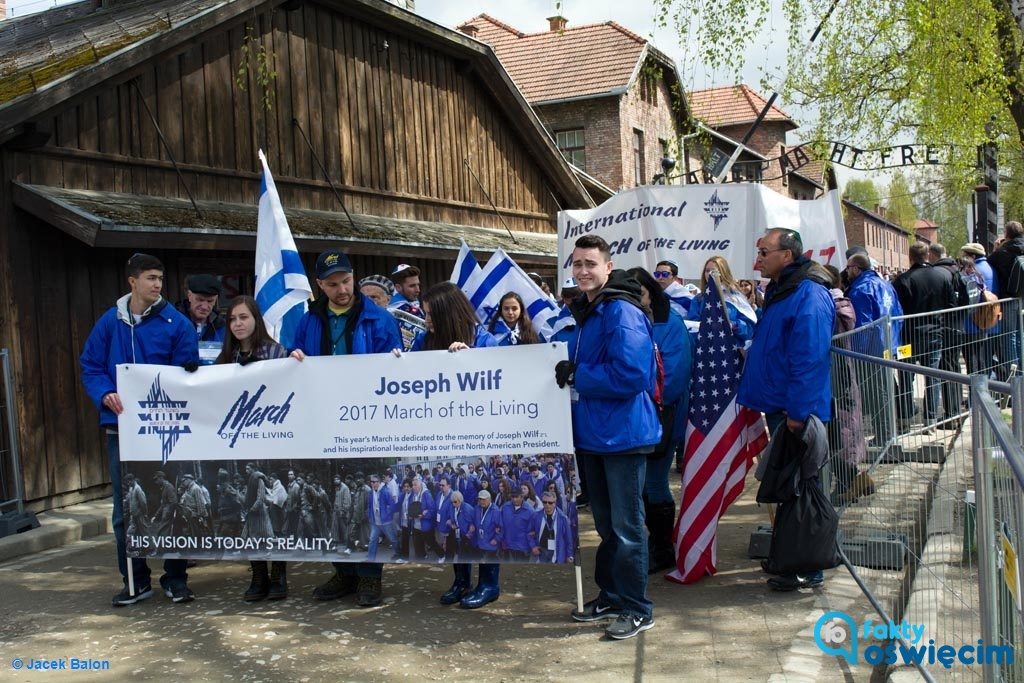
pixel 435 404
pixel 688 224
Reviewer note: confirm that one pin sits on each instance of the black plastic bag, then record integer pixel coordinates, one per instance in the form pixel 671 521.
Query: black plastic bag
pixel 804 536
pixel 780 482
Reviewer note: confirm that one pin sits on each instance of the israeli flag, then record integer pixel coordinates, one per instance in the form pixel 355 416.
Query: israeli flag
pixel 502 275
pixel 465 266
pixel 282 288
pixel 680 296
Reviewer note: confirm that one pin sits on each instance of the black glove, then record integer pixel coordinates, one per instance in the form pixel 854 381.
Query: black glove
pixel 565 373
pixel 191 366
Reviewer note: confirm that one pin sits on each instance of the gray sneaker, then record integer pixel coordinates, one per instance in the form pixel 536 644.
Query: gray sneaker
pixel 595 611
pixel 628 625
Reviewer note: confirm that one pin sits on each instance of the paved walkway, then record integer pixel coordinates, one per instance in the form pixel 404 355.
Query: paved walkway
pixel 56 604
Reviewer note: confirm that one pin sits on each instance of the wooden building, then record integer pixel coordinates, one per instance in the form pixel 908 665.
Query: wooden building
pixel 132 126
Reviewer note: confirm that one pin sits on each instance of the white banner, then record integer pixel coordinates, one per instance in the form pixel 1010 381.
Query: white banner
pixel 433 403
pixel 688 224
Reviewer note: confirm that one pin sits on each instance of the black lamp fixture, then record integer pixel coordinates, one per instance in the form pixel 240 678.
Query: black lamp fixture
pixel 667 164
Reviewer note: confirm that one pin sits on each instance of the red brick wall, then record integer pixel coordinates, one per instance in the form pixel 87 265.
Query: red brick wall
pixel 656 122
pixel 884 243
pixel 600 120
pixel 609 123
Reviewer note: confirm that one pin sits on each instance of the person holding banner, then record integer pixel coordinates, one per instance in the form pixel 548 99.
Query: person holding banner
pixel 343 322
pixel 676 349
pixel 142 327
pixel 511 323
pixel 615 423
pixel 452 325
pixel 247 341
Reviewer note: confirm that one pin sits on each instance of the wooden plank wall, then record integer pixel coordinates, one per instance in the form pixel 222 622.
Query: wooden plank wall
pixel 391 124
pixel 391 120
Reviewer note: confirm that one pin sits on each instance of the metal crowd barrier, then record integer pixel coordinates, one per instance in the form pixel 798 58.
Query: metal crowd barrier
pixel 927 473
pixel 13 516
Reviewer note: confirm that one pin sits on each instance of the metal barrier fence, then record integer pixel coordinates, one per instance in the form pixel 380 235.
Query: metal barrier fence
pixel 13 517
pixel 929 480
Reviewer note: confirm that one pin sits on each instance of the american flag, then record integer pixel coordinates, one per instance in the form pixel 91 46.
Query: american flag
pixel 722 438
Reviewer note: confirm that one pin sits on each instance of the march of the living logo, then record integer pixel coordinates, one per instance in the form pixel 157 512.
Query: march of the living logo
pixel 163 417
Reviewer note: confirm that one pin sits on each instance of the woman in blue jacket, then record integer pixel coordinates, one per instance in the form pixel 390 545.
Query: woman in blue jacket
pixel 246 341
pixel 742 314
pixel 676 349
pixel 451 324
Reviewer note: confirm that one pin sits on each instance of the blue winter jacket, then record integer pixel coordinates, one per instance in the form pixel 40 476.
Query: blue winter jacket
pixel 676 347
pixel 487 528
pixel 429 512
pixel 387 506
pixel 787 367
pixel 563 535
pixel 516 526
pixel 613 352
pixel 465 520
pixel 873 298
pixel 376 330
pixel 163 337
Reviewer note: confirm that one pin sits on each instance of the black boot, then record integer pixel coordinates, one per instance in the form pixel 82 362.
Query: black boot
pixel 661 519
pixel 260 586
pixel 278 581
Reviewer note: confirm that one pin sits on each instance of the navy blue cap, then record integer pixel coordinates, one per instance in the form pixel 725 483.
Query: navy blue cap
pixel 331 262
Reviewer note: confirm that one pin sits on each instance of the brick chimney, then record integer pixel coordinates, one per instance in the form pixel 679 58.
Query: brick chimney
pixel 880 211
pixel 469 29
pixel 557 23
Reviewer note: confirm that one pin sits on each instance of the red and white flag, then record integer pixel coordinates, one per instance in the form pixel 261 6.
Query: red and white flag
pixel 722 439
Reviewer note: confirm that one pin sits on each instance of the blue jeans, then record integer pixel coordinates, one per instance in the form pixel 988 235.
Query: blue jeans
pixel 174 570
pixel 656 489
pixel 615 483
pixel 388 529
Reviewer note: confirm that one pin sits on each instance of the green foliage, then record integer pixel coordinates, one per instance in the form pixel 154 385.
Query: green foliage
pixel 863 193
pixel 899 203
pixel 934 71
pixel 256 61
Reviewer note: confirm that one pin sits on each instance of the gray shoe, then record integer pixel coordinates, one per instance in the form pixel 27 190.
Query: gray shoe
pixel 628 625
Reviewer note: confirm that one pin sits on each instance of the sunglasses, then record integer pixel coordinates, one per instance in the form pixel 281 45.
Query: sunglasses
pixel 662 274
pixel 549 502
pixel 762 252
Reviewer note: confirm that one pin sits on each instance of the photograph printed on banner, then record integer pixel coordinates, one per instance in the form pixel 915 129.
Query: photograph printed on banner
pixel 507 508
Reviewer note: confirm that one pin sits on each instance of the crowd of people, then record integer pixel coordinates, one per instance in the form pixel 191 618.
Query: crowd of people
pixel 631 345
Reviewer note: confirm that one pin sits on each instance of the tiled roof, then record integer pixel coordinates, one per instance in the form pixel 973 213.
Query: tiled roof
pixel 924 224
pixel 579 61
pixel 732 105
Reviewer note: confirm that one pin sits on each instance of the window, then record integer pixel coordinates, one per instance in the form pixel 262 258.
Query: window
pixel 638 156
pixel 570 143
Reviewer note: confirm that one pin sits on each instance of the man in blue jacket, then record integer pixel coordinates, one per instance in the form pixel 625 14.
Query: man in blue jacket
pixel 615 425
pixel 516 521
pixel 873 299
pixel 340 323
pixel 141 328
pixel 552 533
pixel 786 375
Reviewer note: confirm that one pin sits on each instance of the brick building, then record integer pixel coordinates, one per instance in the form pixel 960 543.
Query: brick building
pixel 610 99
pixel 885 241
pixel 926 230
pixel 725 115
